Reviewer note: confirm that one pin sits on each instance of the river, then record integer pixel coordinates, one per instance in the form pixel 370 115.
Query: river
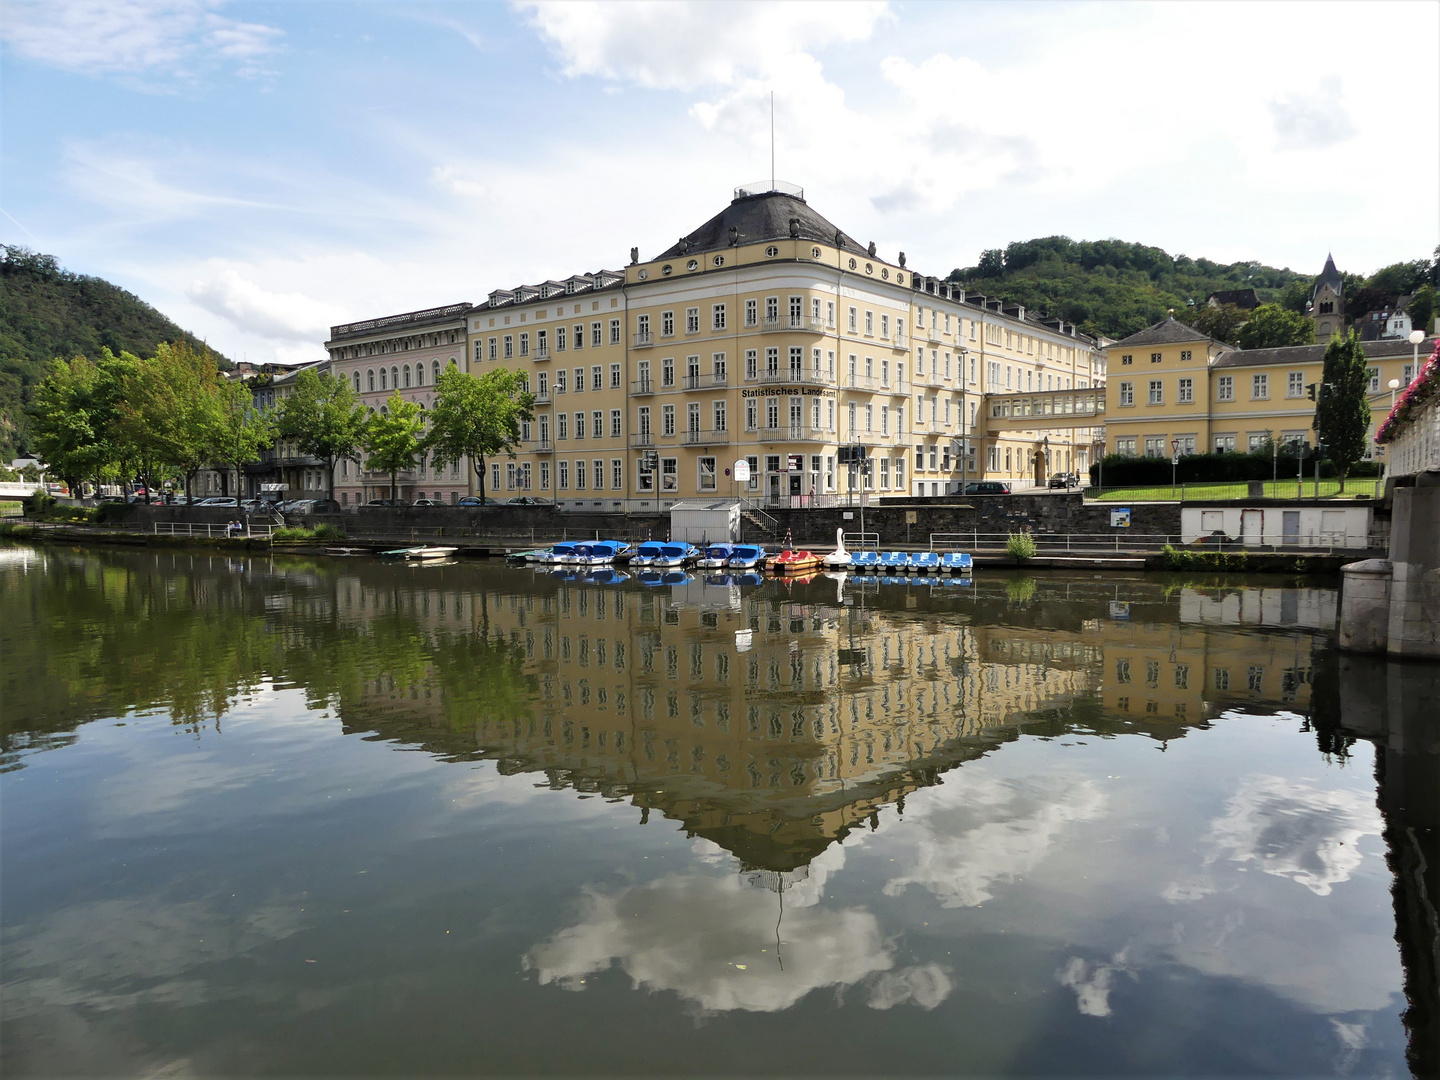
pixel 293 817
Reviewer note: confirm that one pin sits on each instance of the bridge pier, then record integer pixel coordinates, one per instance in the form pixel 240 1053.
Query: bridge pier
pixel 1392 605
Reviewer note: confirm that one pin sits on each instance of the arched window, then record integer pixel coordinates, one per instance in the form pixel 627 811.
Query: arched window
pixel 407 376
pixel 395 378
pixel 419 374
pixel 435 371
pixel 452 361
pixel 357 382
pixel 382 379
pixel 384 410
pixel 370 378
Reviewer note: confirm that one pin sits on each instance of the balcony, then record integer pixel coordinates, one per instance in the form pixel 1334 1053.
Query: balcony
pixel 789 433
pixel 542 397
pixel 642 386
pixel 642 340
pixel 544 446
pixel 859 382
pixel 797 322
pixel 775 376
pixel 542 352
pixel 644 438
pixel 705 438
pixel 705 382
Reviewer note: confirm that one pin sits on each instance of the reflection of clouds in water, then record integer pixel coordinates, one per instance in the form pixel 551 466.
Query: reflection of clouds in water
pixel 983 831
pixel 115 954
pixel 1093 981
pixel 1294 831
pixel 712 941
pixel 925 985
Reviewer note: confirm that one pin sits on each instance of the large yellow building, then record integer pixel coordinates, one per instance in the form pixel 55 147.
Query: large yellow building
pixel 766 335
pixel 1171 385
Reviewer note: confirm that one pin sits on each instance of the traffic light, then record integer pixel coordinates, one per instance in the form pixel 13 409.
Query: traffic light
pixel 1310 391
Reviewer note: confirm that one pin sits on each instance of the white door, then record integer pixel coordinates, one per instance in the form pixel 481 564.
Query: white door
pixel 1252 524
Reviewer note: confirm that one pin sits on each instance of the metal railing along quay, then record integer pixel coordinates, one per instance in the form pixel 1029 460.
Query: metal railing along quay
pixel 248 530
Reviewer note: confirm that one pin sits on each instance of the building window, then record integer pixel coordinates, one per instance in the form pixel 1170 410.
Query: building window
pixel 560 339
pixel 614 376
pixel 707 473
pixel 597 377
pixel 561 421
pixel 597 335
pixel 597 424
pixel 718 414
pixel 1225 444
pixel 1127 359
pixel 1127 393
pixel 509 346
pixel 599 477
pixel 667 371
pixel 577 337
pixel 615 423
pixel 717 316
pixel 1259 386
pixel 1225 388
pixel 617 473
pixel 644 420
pixel 524 344
pixel 667 323
pixel 579 425
pixel 752 312
pixel 854 317
pixel 1155 446
pixel 492 349
pixel 1154 358
pixel 562 475
pixel 667 420
pixel 1184 356
pixel 1295 383
pixel 1373 380
pixel 580 475
pixel 669 474
pixel 1187 392
pixel 1125 446
pixel 692 320
pixel 1157 392
pixel 614 331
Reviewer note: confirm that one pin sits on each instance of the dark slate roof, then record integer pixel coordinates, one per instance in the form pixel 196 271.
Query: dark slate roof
pixel 1165 332
pixel 1330 276
pixel 1241 298
pixel 1313 354
pixel 761 217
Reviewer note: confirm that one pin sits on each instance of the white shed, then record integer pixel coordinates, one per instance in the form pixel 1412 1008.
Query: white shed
pixel 1299 524
pixel 705 521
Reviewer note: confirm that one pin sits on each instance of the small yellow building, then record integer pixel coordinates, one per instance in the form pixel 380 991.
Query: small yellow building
pixel 1173 388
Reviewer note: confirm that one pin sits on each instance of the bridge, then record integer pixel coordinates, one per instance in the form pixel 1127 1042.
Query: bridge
pixel 1045 409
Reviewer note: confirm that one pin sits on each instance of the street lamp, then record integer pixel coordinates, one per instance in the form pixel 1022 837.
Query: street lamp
pixel 1394 385
pixel 1174 464
pixel 1416 337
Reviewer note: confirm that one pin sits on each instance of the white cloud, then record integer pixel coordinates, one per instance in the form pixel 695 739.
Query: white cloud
pixel 1295 831
pixel 684 46
pixel 1092 982
pixel 713 941
pixel 982 831
pixel 1312 121
pixel 290 316
pixel 135 38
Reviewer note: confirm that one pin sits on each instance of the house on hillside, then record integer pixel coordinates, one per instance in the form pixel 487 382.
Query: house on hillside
pixel 1385 323
pixel 1245 299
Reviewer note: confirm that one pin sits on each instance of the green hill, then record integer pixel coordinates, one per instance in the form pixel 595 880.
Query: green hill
pixel 47 312
pixel 1114 288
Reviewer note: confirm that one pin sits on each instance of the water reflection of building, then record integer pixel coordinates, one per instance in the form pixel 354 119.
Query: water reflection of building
pixel 834 709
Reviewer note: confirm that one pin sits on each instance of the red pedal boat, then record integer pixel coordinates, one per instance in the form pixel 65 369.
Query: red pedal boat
pixel 795 562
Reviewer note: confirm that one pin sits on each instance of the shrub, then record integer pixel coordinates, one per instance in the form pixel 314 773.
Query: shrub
pixel 38 503
pixel 1021 546
pixel 292 532
pixel 1183 559
pixel 1124 471
pixel 326 531
pixel 107 513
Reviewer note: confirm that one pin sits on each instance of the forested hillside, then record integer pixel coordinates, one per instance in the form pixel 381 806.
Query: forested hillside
pixel 1114 288
pixel 47 312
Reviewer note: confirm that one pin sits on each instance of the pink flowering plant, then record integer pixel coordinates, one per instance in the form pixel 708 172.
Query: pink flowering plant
pixel 1423 389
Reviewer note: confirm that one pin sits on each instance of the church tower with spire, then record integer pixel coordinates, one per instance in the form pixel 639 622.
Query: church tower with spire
pixel 1327 302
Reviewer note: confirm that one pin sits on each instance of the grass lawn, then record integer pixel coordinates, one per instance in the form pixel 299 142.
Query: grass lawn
pixel 11 509
pixel 1282 489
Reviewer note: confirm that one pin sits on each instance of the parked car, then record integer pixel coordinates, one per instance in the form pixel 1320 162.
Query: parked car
pixel 429 502
pixel 219 500
pixel 387 502
pixel 1064 480
pixel 474 500
pixel 528 500
pixel 987 487
pixel 254 506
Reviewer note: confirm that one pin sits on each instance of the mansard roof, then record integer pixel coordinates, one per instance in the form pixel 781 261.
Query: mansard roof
pixel 769 215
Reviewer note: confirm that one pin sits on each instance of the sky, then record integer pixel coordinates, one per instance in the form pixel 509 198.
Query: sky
pixel 262 171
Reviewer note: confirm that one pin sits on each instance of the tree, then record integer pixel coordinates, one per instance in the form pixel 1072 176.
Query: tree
pixel 1296 296
pixel 1271 326
pixel 1342 408
pixel 168 412
pixel 1220 321
pixel 241 430
pixel 324 418
pixel 1422 308
pixel 392 437
pixel 477 417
